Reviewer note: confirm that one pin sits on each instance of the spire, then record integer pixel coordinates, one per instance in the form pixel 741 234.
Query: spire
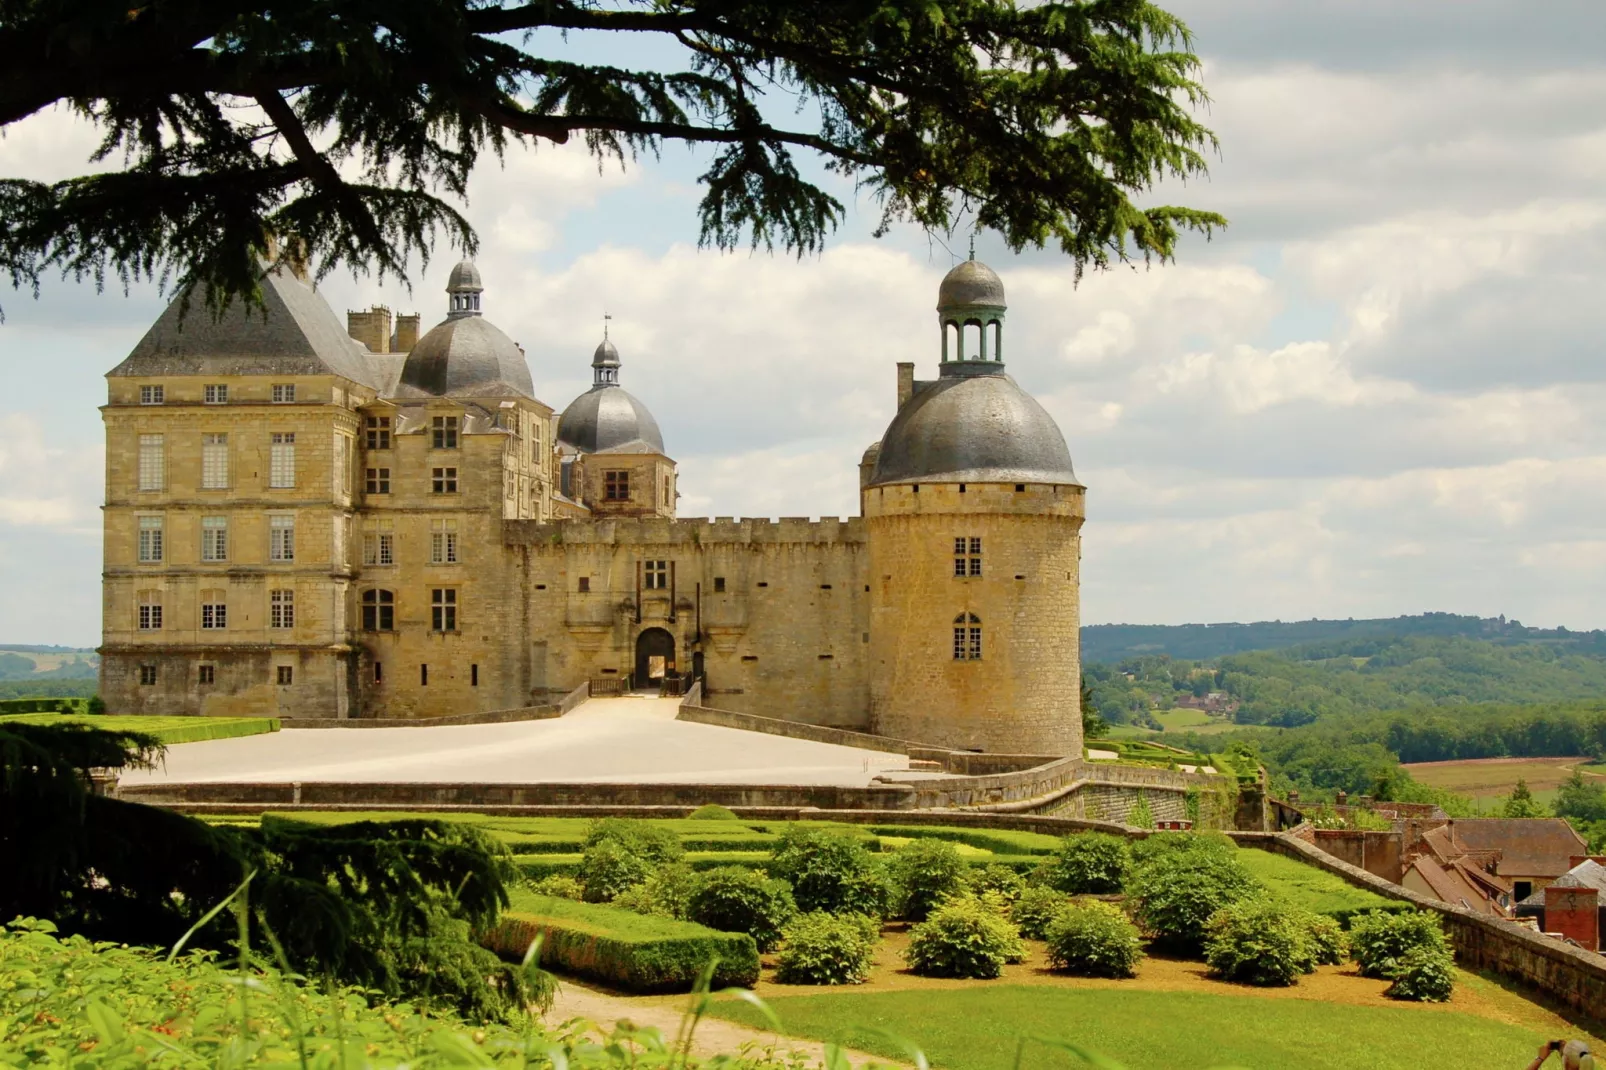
pixel 464 288
pixel 605 361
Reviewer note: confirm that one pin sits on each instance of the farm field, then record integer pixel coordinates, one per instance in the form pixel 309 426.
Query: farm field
pixel 1178 720
pixel 1489 778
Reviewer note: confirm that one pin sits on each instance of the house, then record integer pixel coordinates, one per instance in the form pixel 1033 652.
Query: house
pixel 1571 906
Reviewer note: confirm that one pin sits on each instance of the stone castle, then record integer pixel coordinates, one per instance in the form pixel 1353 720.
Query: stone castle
pixel 305 520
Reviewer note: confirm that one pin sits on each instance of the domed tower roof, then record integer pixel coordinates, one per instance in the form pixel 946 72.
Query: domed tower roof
pixel 608 417
pixel 974 424
pixel 466 355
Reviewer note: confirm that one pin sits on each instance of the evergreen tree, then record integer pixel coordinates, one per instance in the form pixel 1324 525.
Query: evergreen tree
pixel 1522 803
pixel 330 129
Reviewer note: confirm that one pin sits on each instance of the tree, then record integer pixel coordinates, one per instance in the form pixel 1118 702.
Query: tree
pixel 1581 799
pixel 329 129
pixel 1522 803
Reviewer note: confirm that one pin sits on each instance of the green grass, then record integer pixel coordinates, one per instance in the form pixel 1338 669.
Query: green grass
pixel 977 1028
pixel 169 730
pixel 1310 888
pixel 1178 720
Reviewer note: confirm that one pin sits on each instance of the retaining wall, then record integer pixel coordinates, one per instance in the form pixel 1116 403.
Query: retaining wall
pixel 525 713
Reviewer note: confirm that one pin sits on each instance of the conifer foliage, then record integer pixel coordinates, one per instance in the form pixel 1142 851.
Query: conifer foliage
pixel 345 130
pixel 386 905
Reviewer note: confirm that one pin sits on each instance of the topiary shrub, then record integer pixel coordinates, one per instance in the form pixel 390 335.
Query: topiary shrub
pixel 999 879
pixel 560 886
pixel 924 873
pixel 1035 909
pixel 1174 893
pixel 827 949
pixel 95 706
pixel 1094 939
pixel 831 872
pixel 1089 863
pixel 608 868
pixel 1424 974
pixel 654 843
pixel 735 900
pixel 963 938
pixel 664 894
pixel 1379 941
pixel 1259 942
pixel 712 812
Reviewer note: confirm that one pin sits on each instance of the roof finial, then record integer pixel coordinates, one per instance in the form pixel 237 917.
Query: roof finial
pixel 606 316
pixel 973 245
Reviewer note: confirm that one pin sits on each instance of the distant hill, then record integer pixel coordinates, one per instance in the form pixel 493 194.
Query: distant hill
pixel 22 664
pixel 1196 642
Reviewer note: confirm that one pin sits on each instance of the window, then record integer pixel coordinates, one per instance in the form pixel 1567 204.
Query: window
pixel 585 584
pixel 284 393
pixel 443 609
pixel 656 575
pixel 378 481
pixel 281 538
pixel 147 675
pixel 967 637
pixel 282 609
pixel 423 675
pixel 616 486
pixel 443 480
pixel 152 463
pixel 214 394
pixel 379 672
pixel 214 462
pixel 666 489
pixel 378 428
pixel 150 540
pixel 378 545
pixel 443 542
pixel 967 557
pixel 473 676
pixel 282 459
pixel 512 486
pixel 286 675
pixel 206 674
pixel 214 611
pixel 443 433
pixel 535 443
pixel 214 538
pixel 378 611
pixel 719 584
pixel 339 468
pixel 150 611
pixel 151 395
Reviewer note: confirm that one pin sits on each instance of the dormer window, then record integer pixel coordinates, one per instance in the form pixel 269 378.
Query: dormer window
pixel 151 395
pixel 284 393
pixel 443 432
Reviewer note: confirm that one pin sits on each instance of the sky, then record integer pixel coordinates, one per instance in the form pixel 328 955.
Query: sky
pixel 1379 391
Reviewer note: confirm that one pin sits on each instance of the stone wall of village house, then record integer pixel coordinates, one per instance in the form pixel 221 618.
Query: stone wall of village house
pixel 782 607
pixel 245 656
pixel 1023 694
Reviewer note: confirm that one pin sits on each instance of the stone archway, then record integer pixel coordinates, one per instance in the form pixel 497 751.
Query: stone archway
pixel 655 657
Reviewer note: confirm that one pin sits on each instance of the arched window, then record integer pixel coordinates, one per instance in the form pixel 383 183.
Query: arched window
pixel 967 637
pixel 378 611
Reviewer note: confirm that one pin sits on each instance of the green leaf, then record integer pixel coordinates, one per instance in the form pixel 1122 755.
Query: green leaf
pixel 105 1021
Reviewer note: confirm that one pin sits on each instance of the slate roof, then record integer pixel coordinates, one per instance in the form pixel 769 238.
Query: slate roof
pixel 1587 874
pixel 295 332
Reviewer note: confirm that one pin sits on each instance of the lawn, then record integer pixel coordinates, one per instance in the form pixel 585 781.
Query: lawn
pixel 978 1028
pixel 1178 720
pixel 1490 778
pixel 1312 889
pixel 169 730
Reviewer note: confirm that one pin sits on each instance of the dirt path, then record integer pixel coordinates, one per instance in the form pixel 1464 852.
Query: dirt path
pixel 713 1036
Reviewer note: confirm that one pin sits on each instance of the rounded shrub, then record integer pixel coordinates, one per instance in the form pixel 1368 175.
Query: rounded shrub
pixel 1328 944
pixel 1379 940
pixel 831 872
pixel 96 706
pixel 608 868
pixel 1089 863
pixel 1176 891
pixel 1036 908
pixel 654 843
pixel 736 900
pixel 712 812
pixel 1259 942
pixel 963 938
pixel 666 893
pixel 827 949
pixel 1423 974
pixel 560 886
pixel 924 873
pixel 994 877
pixel 1159 844
pixel 1094 939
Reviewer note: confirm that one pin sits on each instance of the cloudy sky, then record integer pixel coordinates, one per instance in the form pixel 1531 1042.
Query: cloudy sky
pixel 1380 392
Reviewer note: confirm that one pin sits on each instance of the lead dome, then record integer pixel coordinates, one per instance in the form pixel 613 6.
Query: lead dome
pixel 971 283
pixel 467 355
pixel 608 417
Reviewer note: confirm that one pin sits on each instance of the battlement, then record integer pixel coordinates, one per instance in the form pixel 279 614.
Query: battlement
pixel 698 531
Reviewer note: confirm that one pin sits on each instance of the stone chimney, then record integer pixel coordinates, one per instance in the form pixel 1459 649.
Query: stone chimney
pixel 906 382
pixel 406 336
pixel 371 328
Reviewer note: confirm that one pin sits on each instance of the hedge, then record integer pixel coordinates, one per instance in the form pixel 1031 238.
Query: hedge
pixel 169 730
pixel 622 949
pixel 41 705
pixel 536 866
pixel 999 841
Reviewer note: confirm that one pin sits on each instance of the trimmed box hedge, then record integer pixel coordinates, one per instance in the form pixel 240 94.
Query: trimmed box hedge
pixel 537 866
pixel 998 841
pixel 169 730
pixel 42 705
pixel 622 949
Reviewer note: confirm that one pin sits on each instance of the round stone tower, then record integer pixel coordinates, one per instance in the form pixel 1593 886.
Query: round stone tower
pixel 975 518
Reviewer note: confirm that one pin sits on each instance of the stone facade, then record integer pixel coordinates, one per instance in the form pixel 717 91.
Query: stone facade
pixel 454 552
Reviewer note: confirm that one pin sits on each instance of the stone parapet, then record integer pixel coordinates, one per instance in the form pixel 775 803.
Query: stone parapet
pixel 526 713
pixel 660 531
